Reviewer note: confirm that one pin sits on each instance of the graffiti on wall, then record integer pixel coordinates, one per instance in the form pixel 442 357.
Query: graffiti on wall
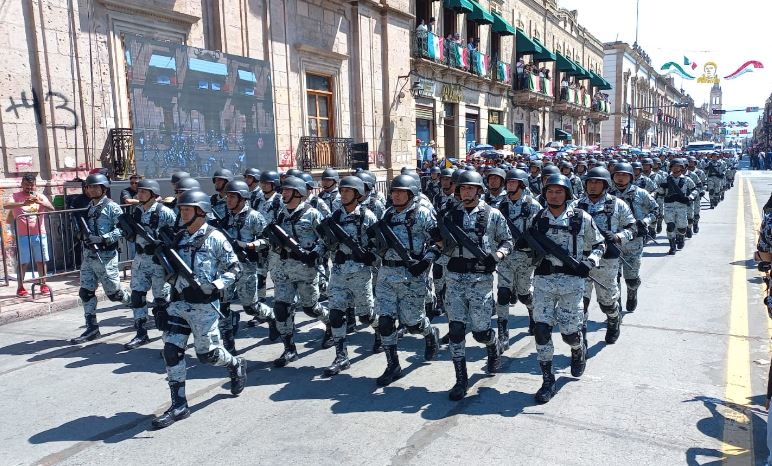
pixel 62 108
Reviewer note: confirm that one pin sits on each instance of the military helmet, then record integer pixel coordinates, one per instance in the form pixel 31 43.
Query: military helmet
pixel 624 167
pixel 536 163
pixel 566 164
pixel 330 174
pixel 496 171
pixel 598 173
pixel 455 175
pixel 470 178
pixel 367 178
pixel 177 176
pixel 404 183
pixel 271 177
pixel 435 170
pixel 294 172
pixel 253 172
pixel 293 182
pixel 647 161
pixel 550 170
pixel 446 172
pixel 678 161
pixel 636 166
pixel 150 185
pixel 517 174
pixel 97 179
pixel 224 174
pixel 310 182
pixel 560 180
pixel 195 198
pixel 238 187
pixel 353 182
pixel 186 184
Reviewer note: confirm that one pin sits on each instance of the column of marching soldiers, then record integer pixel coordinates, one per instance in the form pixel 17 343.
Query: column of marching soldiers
pixel 468 243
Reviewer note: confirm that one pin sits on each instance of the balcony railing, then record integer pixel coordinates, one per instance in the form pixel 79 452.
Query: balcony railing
pixel 533 91
pixel 318 152
pixel 430 46
pixel 502 72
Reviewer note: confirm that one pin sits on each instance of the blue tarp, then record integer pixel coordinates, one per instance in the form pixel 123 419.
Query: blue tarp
pixel 248 76
pixel 163 62
pixel 210 67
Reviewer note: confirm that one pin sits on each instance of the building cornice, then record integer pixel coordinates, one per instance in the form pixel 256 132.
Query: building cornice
pixel 127 6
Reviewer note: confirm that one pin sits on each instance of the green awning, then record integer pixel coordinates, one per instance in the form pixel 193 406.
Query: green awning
pixel 501 26
pixel 524 44
pixel 544 55
pixel 561 135
pixel 598 81
pixel 498 135
pixel 460 6
pixel 480 14
pixel 580 72
pixel 564 64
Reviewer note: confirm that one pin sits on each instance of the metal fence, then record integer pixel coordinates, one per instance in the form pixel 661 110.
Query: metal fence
pixel 319 152
pixel 57 232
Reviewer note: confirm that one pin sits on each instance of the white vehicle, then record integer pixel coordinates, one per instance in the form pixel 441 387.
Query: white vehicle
pixel 702 146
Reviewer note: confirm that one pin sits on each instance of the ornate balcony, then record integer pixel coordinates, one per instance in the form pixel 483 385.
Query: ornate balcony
pixel 573 102
pixel 599 110
pixel 434 48
pixel 318 153
pixel 532 91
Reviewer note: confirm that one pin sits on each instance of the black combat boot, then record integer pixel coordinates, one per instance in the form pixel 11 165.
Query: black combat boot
pixel 672 250
pixel 494 357
pixel 377 343
pixel 273 331
pixel 327 340
pixel 91 332
pixel 351 321
pixel 578 360
pixel 659 225
pixel 238 372
pixel 652 232
pixel 503 334
pixel 445 339
pixel 679 240
pixel 341 361
pixel 458 391
pixel 290 352
pixel 177 411
pixel 547 390
pixel 689 229
pixel 696 226
pixel 432 344
pixel 393 370
pixel 228 341
pixel 586 303
pixel 531 322
pixel 140 338
pixel 584 333
pixel 632 299
pixel 612 329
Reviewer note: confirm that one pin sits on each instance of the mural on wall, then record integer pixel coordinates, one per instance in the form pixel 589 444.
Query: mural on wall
pixel 198 110
pixel 709 70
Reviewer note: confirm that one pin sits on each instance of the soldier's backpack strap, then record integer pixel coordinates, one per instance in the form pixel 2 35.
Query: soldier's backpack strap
pixel 575 226
pixel 196 244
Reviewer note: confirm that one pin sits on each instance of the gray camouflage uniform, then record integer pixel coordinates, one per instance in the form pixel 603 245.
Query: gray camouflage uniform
pixel 644 209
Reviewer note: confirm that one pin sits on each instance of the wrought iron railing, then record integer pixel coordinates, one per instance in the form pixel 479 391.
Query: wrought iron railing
pixel 118 153
pixel 319 153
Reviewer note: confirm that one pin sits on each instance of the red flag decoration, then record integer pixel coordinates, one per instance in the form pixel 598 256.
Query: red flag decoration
pixel 747 67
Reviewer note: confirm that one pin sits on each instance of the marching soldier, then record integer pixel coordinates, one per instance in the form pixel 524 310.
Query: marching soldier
pixel 677 192
pixel 496 191
pixel 558 284
pixel 400 290
pixel 642 181
pixel 213 267
pixel 658 176
pixel 100 254
pixel 715 173
pixel 313 200
pixel 295 276
pixel 644 209
pixel 371 200
pixel 693 211
pixel 567 170
pixel 472 225
pixel 616 223
pixel 351 280
pixel 433 184
pixel 535 178
pixel 515 272
pixel 146 273
pixel 220 178
pixel 252 179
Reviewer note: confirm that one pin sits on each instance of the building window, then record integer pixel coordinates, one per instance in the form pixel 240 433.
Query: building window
pixel 494 117
pixel 320 106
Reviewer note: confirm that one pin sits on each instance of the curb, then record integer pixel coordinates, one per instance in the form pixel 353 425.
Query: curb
pixel 49 307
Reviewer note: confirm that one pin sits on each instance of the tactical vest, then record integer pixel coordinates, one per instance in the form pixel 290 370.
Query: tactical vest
pixel 480 226
pixel 608 209
pixel 409 222
pixel 293 218
pixel 574 227
pixel 92 221
pixel 525 211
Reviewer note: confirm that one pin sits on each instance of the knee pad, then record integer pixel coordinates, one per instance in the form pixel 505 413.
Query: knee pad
pixel 542 333
pixel 503 296
pixel 210 357
pixel 681 231
pixel 670 226
pixel 386 325
pixel 116 297
pixel 281 310
pixel 311 311
pixel 608 308
pixel 86 295
pixel 250 310
pixel 261 280
pixel 417 328
pixel 437 271
pixel 572 339
pixel 696 217
pixel 337 318
pixel 138 299
pixel 456 331
pixel 483 337
pixel 633 283
pixel 526 299
pixel 172 354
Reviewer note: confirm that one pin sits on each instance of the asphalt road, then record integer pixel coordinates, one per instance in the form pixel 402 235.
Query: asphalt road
pixel 683 385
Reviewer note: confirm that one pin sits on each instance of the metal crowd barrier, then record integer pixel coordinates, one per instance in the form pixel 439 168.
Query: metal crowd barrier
pixel 64 249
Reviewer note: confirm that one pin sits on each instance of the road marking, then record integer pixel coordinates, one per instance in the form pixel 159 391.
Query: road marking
pixel 756 215
pixel 737 433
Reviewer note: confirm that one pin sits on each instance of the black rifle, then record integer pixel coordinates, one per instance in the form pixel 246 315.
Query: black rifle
pixel 132 229
pixel 382 229
pixel 538 250
pixel 241 254
pixel 332 230
pixel 278 236
pixel 561 254
pixel 181 268
pixel 85 233
pixel 460 237
pixel 680 196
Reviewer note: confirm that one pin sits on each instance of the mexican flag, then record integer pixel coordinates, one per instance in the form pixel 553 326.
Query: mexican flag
pixel 481 63
pixel 463 56
pixel 503 72
pixel 435 46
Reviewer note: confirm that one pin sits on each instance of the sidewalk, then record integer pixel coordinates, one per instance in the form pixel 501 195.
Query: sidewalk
pixel 65 296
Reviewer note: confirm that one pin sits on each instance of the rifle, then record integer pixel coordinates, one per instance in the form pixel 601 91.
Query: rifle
pixel 671 186
pixel 333 230
pixel 460 237
pixel 554 248
pixel 278 236
pixel 132 228
pixel 241 254
pixel 537 249
pixel 382 229
pixel 85 232
pixel 166 237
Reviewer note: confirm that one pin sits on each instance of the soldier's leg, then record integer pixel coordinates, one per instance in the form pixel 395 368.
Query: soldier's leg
pixel 203 322
pixel 545 299
pixel 631 272
pixel 438 275
pixel 524 289
pixel 386 294
pixel 141 282
pixel 458 314
pixel 480 297
pixel 505 294
pixel 87 294
pixel 569 316
pixel 284 311
pixel 175 339
pixel 690 218
pixel 681 222
pixel 308 301
pixel 670 221
pixel 111 280
pixel 660 213
pixel 413 316
pixel 340 299
pixel 608 297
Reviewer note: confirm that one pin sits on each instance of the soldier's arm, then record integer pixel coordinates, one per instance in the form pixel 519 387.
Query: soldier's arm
pixel 501 234
pixel 227 263
pixel 594 242
pixel 652 208
pixel 626 221
pixel 113 212
pixel 320 248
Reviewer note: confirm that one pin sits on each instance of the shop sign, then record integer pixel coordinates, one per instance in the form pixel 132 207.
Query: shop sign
pixel 426 88
pixel 451 93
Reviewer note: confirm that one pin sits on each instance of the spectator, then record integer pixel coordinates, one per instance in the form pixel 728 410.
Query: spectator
pixel 429 153
pixel 471 45
pixel 128 195
pixel 432 24
pixel 519 68
pixel 31 232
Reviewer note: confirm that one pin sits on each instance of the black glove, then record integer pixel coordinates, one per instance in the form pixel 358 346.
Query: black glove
pixel 310 257
pixel 609 236
pixel 490 260
pixel 643 230
pixel 583 270
pixel 161 318
pixel 368 258
pixel 419 267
